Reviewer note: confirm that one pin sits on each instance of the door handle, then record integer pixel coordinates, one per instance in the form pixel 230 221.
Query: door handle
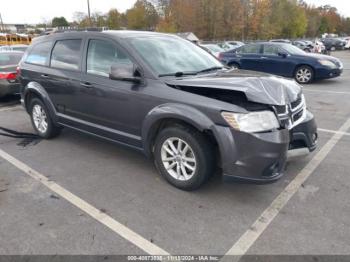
pixel 263 57
pixel 86 84
pixel 45 76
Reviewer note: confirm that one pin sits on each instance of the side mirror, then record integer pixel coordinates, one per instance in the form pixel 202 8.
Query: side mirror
pixel 125 72
pixel 283 54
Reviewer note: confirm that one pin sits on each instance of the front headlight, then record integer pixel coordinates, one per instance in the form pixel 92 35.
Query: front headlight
pixel 252 122
pixel 327 63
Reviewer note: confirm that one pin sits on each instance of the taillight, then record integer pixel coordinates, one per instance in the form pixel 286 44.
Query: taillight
pixel 18 70
pixel 220 56
pixel 8 76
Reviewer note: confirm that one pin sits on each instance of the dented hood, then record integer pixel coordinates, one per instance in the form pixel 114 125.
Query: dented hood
pixel 258 87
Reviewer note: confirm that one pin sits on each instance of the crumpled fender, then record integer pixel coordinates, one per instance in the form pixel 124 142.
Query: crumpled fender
pixel 36 88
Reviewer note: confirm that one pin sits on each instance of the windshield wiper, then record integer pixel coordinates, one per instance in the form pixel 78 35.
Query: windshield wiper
pixel 178 74
pixel 210 69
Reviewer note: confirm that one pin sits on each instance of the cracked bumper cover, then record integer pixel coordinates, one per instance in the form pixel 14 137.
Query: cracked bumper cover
pixel 261 157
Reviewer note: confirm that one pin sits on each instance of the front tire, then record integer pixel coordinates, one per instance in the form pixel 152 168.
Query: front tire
pixel 304 74
pixel 41 120
pixel 184 157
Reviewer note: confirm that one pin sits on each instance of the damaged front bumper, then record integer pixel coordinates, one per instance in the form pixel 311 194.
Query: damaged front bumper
pixel 305 134
pixel 261 157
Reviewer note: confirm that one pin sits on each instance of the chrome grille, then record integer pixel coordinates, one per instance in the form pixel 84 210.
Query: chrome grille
pixel 292 114
pixel 296 102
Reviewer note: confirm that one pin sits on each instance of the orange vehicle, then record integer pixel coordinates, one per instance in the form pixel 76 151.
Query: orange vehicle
pixel 15 39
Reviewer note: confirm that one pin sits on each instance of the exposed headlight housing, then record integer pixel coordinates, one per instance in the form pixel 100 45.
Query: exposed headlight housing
pixel 327 63
pixel 252 122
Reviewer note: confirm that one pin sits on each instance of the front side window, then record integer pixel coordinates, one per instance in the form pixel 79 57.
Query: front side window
pixel 271 49
pixel 66 54
pixel 39 54
pixel 102 55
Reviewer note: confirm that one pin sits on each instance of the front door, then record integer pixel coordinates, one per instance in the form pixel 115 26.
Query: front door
pixel 274 62
pixel 106 104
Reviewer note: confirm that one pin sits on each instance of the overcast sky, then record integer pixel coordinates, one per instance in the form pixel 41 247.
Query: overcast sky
pixel 37 11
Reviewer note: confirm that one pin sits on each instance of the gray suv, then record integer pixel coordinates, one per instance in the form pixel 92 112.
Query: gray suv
pixel 168 98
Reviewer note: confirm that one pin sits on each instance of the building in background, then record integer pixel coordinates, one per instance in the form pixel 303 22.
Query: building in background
pixel 13 28
pixel 189 36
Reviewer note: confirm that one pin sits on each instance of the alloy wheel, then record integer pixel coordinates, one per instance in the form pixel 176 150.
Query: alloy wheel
pixel 178 159
pixel 40 118
pixel 304 75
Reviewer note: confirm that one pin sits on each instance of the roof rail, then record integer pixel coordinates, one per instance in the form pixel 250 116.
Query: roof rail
pixel 74 29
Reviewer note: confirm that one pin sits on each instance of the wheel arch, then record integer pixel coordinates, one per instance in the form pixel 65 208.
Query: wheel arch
pixel 173 114
pixel 34 89
pixel 231 63
pixel 303 64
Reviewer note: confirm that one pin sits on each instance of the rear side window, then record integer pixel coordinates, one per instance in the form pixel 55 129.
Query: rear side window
pixel 39 54
pixel 66 54
pixel 9 59
pixel 102 55
pixel 250 49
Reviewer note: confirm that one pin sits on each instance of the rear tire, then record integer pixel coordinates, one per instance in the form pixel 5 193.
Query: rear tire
pixel 41 120
pixel 304 74
pixel 184 157
pixel 234 65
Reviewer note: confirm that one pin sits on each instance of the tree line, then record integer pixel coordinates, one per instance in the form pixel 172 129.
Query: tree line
pixel 222 19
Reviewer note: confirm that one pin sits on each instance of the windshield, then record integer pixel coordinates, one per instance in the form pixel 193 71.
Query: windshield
pixel 8 59
pixel 170 55
pixel 293 50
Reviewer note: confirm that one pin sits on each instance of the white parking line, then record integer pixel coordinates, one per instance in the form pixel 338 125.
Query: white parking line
pixel 9 108
pixel 333 131
pixel 327 92
pixel 264 220
pixel 101 217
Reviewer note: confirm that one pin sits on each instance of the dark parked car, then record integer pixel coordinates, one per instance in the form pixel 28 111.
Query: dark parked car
pixel 168 98
pixel 283 60
pixel 305 46
pixel 8 65
pixel 333 43
pixel 213 49
pixel 21 48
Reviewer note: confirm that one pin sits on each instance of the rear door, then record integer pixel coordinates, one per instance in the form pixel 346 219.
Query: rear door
pixel 64 75
pixel 250 57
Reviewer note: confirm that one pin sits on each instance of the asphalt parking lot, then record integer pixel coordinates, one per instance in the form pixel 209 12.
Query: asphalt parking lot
pixel 99 198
